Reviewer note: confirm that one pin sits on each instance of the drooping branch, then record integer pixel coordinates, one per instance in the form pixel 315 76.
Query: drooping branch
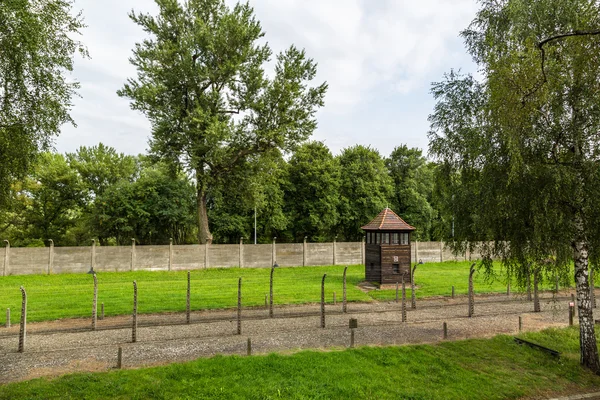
pixel 540 46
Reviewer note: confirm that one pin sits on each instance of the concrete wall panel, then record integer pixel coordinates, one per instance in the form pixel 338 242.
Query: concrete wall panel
pixel 27 260
pixel 290 254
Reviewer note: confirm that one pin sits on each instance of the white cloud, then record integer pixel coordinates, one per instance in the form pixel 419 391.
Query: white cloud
pixel 377 56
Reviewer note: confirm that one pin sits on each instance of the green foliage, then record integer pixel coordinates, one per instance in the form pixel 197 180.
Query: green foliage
pixel 37 45
pixel 495 368
pixel 54 194
pixel 155 207
pixel 365 189
pixel 202 65
pixel 312 192
pixel 413 186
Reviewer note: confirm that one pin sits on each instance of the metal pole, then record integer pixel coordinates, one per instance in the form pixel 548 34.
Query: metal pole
pixel 254 224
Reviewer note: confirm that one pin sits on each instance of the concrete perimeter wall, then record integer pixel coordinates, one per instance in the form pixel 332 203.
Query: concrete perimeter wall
pixel 55 260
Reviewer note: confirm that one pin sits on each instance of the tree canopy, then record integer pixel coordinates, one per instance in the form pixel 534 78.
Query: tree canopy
pixel 38 46
pixel 203 84
pixel 520 146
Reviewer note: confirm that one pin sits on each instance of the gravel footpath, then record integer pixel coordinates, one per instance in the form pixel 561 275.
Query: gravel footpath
pixel 59 347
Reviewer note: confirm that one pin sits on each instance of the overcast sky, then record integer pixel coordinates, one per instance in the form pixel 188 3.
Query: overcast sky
pixel 379 58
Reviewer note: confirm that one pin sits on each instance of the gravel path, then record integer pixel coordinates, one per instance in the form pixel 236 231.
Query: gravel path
pixel 59 347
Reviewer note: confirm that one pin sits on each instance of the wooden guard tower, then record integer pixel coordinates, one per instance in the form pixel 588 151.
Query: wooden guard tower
pixel 388 254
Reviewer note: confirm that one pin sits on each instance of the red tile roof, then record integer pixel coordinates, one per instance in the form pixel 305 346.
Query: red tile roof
pixel 387 220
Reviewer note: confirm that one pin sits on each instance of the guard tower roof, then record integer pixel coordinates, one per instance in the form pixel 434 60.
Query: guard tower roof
pixel 387 220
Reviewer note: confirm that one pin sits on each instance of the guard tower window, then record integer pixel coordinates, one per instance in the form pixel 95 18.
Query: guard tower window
pixel 404 238
pixel 385 238
pixel 394 238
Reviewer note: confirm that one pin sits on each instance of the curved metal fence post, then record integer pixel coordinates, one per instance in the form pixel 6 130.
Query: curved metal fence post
pixel 239 307
pixel 413 296
pixel 536 294
pixel 135 309
pixel 344 300
pixel 403 300
pixel 188 302
pixel 471 291
pixel 23 328
pixel 271 292
pixel 170 254
pixel 323 301
pixel 95 304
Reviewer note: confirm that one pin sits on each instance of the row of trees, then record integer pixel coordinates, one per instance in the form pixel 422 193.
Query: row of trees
pixel 99 193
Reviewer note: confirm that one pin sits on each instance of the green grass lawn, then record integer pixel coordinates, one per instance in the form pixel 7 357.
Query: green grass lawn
pixel 473 369
pixel 70 295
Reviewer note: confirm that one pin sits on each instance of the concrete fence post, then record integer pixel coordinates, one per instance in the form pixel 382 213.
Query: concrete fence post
pixel 274 251
pixel 592 289
pixel 413 289
pixel 119 357
pixel 50 256
pixel 362 250
pixel 445 327
pixel 23 327
pixel 416 252
pixel 6 258
pixel 206 257
pixel 93 255
pixel 344 300
pixel 323 301
pixel 403 300
pixel 249 348
pixel 239 307
pixel 571 312
pixel 170 254
pixel 271 292
pixel 187 302
pixel 101 311
pixel 556 284
pixel 8 317
pixel 441 251
pixel 520 324
pixel 397 295
pixel 536 295
pixel 573 301
pixel 95 304
pixel 304 252
pixel 135 309
pixel 334 250
pixel 132 266
pixel 529 298
pixel 452 291
pixel 241 252
pixel 508 288
pixel 471 291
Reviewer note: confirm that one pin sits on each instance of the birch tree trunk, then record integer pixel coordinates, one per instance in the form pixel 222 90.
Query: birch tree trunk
pixel 204 235
pixel 587 335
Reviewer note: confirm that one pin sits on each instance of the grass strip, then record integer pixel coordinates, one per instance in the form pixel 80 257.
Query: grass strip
pixel 53 297
pixel 494 368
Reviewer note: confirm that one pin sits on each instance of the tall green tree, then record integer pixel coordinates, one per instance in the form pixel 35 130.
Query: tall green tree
pixel 151 209
pixel 365 189
pixel 312 192
pixel 413 187
pixel 202 84
pixel 101 166
pixel 523 142
pixel 38 45
pixel 55 195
